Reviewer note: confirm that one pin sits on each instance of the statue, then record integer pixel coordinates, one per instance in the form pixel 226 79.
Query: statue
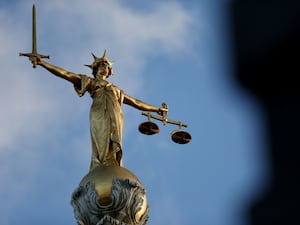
pixel 109 194
pixel 106 118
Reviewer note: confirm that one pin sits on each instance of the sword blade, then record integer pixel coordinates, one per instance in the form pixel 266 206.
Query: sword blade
pixel 34 48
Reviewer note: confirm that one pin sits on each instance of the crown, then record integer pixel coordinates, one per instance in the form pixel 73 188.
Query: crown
pixel 97 60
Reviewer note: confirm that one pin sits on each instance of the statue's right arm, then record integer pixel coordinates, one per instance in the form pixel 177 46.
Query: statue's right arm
pixel 62 73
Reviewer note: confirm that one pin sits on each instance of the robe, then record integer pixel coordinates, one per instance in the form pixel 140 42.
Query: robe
pixel 106 120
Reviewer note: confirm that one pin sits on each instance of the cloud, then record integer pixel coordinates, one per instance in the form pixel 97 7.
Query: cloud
pixel 129 35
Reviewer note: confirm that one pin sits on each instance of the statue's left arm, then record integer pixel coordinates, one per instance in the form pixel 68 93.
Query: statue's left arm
pixel 138 104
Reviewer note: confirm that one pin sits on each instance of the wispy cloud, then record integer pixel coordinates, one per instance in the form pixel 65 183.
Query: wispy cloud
pixel 129 35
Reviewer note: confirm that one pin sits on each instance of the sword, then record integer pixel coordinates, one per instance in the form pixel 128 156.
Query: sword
pixel 34 55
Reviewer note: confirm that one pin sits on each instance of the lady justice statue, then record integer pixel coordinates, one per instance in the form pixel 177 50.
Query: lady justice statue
pixel 109 194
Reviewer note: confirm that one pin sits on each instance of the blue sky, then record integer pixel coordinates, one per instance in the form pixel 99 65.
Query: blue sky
pixel 177 52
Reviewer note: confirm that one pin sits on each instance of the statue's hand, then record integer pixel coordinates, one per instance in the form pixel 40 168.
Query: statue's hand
pixel 163 110
pixel 35 60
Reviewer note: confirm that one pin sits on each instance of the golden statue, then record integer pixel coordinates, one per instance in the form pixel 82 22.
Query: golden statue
pixel 109 193
pixel 106 118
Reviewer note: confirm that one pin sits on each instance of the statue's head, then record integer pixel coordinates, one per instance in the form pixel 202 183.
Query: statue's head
pixel 101 66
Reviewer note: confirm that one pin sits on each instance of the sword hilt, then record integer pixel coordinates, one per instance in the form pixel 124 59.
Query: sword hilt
pixel 33 57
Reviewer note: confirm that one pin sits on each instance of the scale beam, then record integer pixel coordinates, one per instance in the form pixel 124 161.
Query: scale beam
pixel 164 119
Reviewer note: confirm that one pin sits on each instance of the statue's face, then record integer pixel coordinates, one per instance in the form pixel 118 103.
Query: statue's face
pixel 102 68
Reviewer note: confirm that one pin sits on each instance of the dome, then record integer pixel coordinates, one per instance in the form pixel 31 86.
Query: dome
pixel 108 193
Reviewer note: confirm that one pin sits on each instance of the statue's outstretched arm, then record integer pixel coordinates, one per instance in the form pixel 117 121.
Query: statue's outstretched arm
pixel 60 72
pixel 138 104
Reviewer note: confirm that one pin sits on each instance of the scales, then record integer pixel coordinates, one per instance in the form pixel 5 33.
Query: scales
pixel 149 128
